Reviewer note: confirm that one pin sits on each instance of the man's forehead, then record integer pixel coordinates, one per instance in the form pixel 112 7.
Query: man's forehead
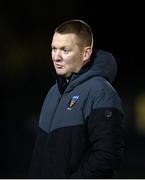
pixel 64 39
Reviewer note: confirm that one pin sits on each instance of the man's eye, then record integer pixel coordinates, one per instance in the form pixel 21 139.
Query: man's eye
pixel 66 50
pixel 54 49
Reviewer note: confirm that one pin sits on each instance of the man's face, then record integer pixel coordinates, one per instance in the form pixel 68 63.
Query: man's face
pixel 67 56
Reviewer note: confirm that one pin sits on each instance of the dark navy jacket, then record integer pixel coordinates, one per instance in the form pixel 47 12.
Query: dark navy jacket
pixel 81 130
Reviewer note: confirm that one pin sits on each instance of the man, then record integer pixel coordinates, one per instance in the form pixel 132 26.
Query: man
pixel 81 121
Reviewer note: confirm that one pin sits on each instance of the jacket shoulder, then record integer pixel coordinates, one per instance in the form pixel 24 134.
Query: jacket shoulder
pixel 103 94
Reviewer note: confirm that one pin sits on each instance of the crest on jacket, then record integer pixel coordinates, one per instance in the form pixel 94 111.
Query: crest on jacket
pixel 72 102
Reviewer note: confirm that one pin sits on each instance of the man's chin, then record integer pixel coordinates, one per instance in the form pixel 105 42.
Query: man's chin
pixel 60 73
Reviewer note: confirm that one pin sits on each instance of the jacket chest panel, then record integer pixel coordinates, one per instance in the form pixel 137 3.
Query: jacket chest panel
pixel 68 111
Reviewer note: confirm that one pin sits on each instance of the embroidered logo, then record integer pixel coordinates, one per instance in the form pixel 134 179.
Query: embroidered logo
pixel 72 102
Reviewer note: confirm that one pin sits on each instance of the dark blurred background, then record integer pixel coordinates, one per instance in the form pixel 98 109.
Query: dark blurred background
pixel 26 72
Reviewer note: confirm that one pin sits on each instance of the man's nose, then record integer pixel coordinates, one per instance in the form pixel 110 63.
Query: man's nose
pixel 57 56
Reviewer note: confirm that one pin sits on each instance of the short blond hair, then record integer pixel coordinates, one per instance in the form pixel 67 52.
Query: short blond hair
pixel 78 27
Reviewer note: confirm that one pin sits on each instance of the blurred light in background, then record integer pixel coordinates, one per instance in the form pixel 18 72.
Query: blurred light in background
pixel 140 113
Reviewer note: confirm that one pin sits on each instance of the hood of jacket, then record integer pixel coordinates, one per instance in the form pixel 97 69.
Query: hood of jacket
pixel 102 63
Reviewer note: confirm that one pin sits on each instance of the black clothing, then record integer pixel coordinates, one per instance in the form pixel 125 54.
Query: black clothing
pixel 81 125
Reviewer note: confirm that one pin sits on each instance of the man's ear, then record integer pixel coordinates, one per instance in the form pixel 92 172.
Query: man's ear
pixel 87 54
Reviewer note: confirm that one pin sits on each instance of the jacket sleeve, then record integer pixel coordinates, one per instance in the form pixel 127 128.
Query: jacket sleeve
pixel 105 130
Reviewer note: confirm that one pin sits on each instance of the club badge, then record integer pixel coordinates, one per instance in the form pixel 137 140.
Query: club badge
pixel 72 102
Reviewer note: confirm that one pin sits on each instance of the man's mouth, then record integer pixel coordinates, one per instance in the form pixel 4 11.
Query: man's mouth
pixel 58 66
